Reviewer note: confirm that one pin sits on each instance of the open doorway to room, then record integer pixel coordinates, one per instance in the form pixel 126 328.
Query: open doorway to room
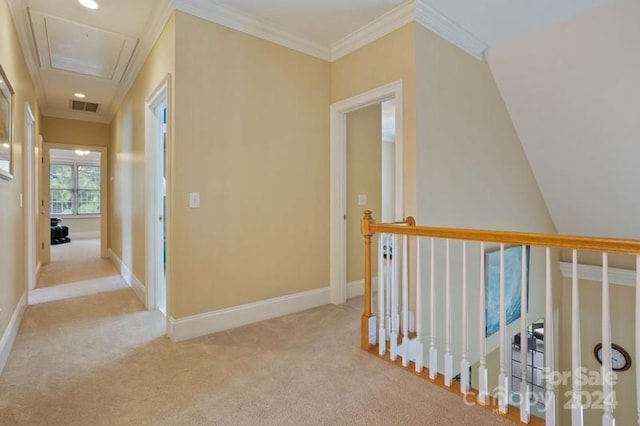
pixel 72 207
pixel 157 119
pixel 371 134
pixel 367 170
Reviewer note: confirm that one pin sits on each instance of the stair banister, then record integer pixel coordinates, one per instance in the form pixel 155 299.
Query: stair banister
pixel 524 340
pixel 576 356
pixel 607 388
pixel 550 396
pixel 399 275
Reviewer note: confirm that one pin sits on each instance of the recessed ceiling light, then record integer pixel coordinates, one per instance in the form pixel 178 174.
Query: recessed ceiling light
pixel 80 95
pixel 89 4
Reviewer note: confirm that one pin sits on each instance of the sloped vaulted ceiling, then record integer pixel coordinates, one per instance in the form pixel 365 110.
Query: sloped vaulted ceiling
pixel 573 92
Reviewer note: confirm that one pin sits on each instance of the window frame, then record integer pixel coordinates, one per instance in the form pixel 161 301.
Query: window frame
pixel 75 189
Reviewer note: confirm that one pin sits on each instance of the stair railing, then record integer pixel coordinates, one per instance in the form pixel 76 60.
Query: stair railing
pixel 390 329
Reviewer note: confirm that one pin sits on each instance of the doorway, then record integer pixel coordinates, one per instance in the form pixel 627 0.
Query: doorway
pixel 79 196
pixel 339 213
pixel 370 180
pixel 31 199
pixel 158 196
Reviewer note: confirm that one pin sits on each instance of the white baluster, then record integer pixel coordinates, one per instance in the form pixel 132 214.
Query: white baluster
pixel 483 383
pixel 382 334
pixel 525 413
pixel 433 351
pixel 448 356
pixel 419 347
pixel 576 355
pixel 607 385
pixel 387 288
pixel 550 411
pixel 394 301
pixel 464 364
pixel 503 380
pixel 638 335
pixel 405 301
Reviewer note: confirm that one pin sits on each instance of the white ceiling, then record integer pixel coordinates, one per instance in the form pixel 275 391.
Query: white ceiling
pixel 72 49
pixel 323 22
pixel 573 93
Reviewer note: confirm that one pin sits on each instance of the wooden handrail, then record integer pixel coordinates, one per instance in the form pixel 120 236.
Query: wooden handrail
pixel 609 245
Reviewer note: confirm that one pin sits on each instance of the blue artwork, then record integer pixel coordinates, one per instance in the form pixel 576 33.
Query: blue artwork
pixel 512 278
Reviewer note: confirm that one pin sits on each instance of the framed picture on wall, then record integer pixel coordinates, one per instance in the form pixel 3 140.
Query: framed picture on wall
pixel 512 280
pixel 6 140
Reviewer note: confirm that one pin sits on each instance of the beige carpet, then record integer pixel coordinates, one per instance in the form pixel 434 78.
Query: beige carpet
pixel 76 261
pixel 103 360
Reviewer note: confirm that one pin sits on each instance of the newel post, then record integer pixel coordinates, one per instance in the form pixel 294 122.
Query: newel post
pixel 367 315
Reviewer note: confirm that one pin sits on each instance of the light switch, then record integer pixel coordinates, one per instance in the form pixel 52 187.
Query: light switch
pixel 362 199
pixel 194 200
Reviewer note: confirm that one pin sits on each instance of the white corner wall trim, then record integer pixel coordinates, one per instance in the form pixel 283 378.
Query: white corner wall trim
pixel 9 336
pixel 435 21
pixel 380 27
pixel 248 24
pixel 132 281
pixel 594 273
pixel 224 319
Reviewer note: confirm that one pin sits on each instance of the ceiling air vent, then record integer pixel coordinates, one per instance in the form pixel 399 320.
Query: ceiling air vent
pixel 84 106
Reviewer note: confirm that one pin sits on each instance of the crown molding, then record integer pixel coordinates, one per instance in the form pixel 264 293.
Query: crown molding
pixel 248 24
pixel 380 27
pixel 20 14
pixel 435 21
pixel 594 273
pixel 154 27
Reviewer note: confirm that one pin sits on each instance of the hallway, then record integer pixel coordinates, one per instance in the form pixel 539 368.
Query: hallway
pixel 76 269
pixel 102 359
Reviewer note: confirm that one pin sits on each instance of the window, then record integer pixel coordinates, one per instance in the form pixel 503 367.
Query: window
pixel 74 189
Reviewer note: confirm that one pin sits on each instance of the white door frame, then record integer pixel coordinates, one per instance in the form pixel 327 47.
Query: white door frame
pixel 338 113
pixel 30 201
pixel 162 94
pixel 104 200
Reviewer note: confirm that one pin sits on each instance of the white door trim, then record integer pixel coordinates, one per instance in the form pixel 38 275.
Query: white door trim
pixel 30 201
pixel 162 94
pixel 338 136
pixel 104 200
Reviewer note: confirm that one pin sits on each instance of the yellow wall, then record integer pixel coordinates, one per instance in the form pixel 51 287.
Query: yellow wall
pixel 622 334
pixel 472 173
pixel 252 131
pixel 127 157
pixel 75 132
pixel 12 249
pixel 364 176
pixel 384 61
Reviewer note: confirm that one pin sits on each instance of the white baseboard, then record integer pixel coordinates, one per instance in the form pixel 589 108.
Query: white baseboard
pixel 132 281
pixel 356 288
pixel 84 235
pixel 224 319
pixel 9 336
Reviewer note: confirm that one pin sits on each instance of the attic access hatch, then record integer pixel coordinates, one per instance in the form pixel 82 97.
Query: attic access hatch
pixel 72 47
